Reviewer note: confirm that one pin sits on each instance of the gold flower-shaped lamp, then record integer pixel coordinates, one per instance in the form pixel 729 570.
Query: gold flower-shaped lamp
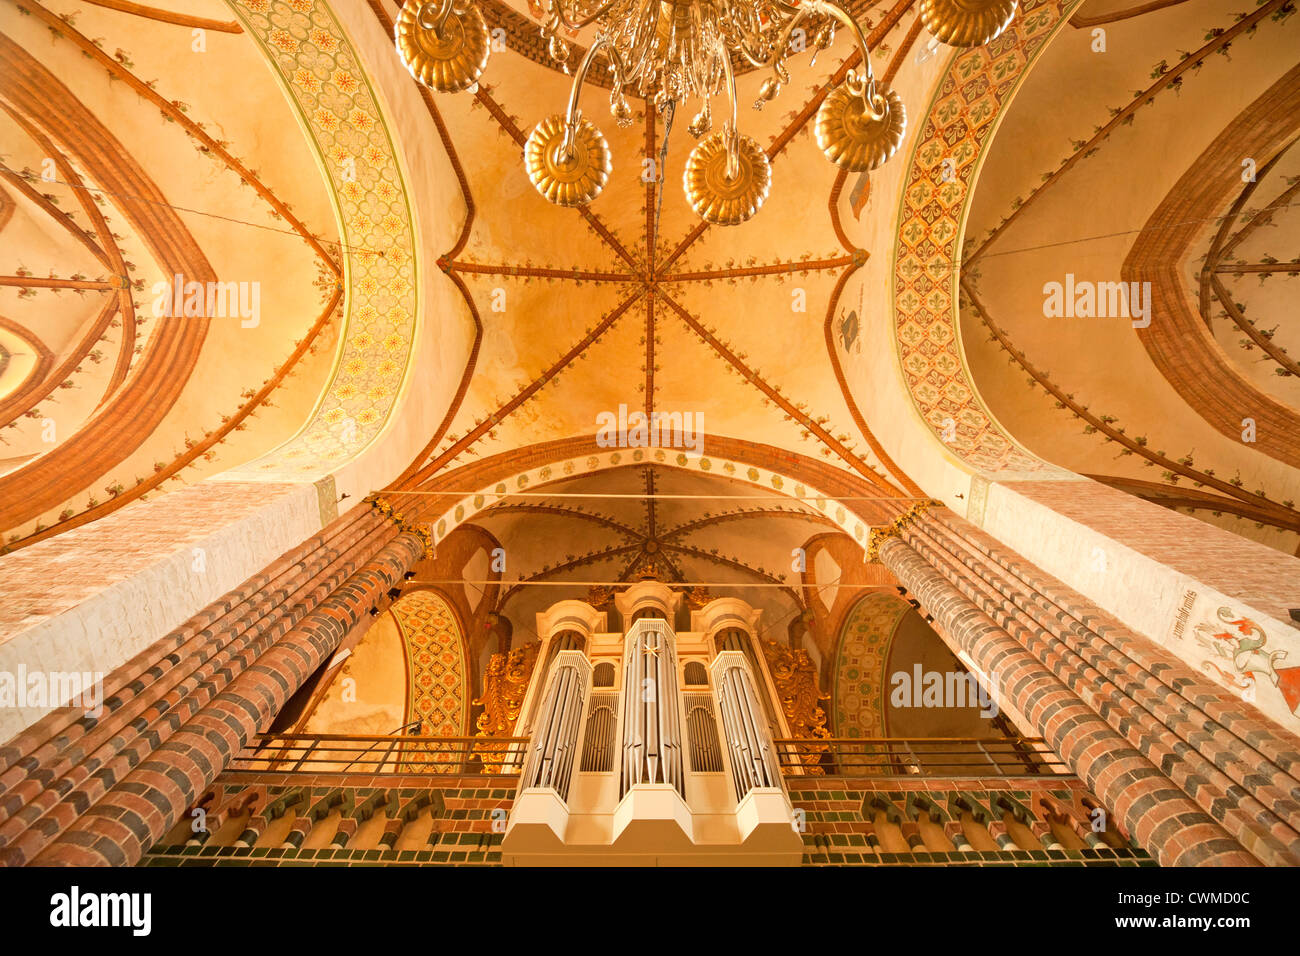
pixel 717 199
pixel 966 22
pixel 567 178
pixel 448 63
pixel 854 139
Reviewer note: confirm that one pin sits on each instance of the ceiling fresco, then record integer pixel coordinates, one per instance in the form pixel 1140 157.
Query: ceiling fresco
pixel 546 322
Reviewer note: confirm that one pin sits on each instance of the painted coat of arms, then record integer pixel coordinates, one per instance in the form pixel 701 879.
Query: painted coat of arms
pixel 1241 657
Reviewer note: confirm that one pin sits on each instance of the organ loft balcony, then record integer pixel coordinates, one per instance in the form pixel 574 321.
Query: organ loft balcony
pixel 648 725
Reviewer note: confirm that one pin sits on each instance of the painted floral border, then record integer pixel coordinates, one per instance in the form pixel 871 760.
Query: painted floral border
pixel 931 220
pixel 327 84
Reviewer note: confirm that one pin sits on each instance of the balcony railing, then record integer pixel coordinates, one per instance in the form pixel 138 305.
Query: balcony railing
pixel 929 757
pixel 388 754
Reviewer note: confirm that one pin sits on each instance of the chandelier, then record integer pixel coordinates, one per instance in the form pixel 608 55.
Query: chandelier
pixel 670 51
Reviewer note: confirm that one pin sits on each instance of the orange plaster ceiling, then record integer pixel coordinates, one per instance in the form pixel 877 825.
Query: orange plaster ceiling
pixel 633 302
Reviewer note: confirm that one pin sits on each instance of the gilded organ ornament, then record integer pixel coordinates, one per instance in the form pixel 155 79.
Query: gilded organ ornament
pixel 504 687
pixel 797 688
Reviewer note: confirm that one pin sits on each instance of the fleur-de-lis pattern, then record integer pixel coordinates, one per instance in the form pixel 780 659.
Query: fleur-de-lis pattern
pixel 957 127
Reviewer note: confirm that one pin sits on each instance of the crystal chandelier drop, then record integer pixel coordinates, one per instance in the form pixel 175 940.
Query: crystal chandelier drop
pixel 671 51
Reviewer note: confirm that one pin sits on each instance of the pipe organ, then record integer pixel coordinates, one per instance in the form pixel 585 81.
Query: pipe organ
pixel 652 726
pixel 555 738
pixel 753 758
pixel 652 744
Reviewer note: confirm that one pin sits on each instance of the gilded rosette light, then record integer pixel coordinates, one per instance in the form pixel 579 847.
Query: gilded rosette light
pixel 448 63
pixel 854 139
pixel 717 199
pixel 966 22
pixel 567 178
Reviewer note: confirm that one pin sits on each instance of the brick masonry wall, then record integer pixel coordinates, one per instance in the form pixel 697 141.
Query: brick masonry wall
pixel 462 831
pixel 1259 576
pixel 840 817
pixel 92 598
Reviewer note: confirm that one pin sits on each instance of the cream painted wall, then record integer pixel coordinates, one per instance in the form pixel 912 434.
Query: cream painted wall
pixel 173 557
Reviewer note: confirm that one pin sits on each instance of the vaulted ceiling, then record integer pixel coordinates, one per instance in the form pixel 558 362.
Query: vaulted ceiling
pixel 126 161
pixel 537 319
pixel 633 301
pixel 1142 174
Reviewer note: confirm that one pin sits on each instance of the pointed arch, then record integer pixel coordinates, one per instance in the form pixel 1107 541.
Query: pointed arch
pixel 437 668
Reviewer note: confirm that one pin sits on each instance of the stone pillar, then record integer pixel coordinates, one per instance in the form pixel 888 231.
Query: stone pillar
pixel 1161 817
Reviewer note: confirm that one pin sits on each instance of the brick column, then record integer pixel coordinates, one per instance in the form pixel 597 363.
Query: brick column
pixel 133 815
pixel 1161 817
pixel 1237 766
pixel 67 761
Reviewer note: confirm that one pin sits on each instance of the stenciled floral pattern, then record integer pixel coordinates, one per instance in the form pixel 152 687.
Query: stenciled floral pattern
pixel 858 693
pixel 958 127
pixel 328 87
pixel 436 694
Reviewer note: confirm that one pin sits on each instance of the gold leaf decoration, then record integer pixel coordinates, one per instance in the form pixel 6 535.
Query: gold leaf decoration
pixel 795 679
pixel 450 62
pixel 894 529
pixel 571 178
pixel 966 23
pixel 854 139
pixel 504 686
pixel 717 199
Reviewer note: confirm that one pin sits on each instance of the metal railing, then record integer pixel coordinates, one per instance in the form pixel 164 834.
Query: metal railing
pixel 386 754
pixel 928 756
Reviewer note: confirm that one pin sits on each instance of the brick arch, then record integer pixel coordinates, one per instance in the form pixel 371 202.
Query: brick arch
pixel 460 495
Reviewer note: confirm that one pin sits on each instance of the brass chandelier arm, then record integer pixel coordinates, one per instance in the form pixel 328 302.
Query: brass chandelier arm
pixel 670 51
pixel 438 21
pixel 733 128
pixel 572 113
pixel 873 101
pixel 777 61
pixel 557 10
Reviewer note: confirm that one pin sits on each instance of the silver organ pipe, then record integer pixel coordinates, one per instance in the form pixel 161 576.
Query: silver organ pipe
pixel 737 639
pixel 598 743
pixel 749 742
pixel 702 732
pixel 555 732
pixel 652 737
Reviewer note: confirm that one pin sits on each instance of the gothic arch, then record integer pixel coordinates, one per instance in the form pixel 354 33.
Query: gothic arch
pixel 437 669
pixel 859 690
